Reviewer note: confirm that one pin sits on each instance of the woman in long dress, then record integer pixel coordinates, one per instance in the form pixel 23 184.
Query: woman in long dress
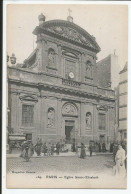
pixel 120 162
pixel 83 152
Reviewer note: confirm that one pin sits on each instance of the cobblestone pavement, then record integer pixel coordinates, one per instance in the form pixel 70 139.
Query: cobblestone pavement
pixel 95 164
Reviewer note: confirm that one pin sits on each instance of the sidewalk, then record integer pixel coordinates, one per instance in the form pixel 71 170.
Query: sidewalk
pixel 16 155
pixel 67 154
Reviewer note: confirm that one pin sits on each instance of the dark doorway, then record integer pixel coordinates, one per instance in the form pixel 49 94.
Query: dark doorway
pixel 69 130
pixel 102 138
pixel 29 136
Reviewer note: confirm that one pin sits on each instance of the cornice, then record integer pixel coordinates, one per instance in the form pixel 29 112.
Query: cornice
pixel 64 89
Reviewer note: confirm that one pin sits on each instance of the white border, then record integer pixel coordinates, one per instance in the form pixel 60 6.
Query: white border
pixel 34 191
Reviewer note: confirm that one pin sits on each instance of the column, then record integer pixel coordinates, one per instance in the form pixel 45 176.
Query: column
pixel 59 118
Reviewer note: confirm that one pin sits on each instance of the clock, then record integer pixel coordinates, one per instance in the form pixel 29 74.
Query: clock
pixel 71 75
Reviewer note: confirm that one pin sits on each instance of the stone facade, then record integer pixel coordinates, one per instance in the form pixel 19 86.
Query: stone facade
pixel 123 104
pixel 53 95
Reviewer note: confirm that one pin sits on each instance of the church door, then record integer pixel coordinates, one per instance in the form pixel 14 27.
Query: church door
pixel 69 130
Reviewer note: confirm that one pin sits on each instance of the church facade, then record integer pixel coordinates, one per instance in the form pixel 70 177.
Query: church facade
pixel 54 94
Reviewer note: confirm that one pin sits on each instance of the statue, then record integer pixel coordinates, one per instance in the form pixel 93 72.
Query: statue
pixel 51 57
pixel 88 120
pixel 88 69
pixel 51 115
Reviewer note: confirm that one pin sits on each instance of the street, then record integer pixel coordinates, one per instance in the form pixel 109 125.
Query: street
pixel 73 164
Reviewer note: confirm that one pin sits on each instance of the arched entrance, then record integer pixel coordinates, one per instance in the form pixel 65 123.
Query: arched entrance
pixel 70 121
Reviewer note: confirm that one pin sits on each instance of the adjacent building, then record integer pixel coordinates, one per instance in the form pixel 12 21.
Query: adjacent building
pixel 123 104
pixel 107 71
pixel 54 94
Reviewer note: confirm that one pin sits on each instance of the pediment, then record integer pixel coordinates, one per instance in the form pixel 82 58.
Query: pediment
pixel 28 98
pixel 69 31
pixel 102 107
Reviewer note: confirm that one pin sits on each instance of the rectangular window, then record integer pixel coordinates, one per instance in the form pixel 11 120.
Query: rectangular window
pixel 102 121
pixel 27 115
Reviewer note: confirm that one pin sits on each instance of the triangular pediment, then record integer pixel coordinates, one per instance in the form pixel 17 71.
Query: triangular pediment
pixel 69 31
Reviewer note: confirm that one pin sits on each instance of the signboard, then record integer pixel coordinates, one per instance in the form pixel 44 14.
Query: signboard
pixel 17 138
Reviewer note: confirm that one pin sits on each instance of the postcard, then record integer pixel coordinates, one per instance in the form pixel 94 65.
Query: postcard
pixel 67 67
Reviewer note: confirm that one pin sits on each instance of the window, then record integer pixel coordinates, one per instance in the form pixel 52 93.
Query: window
pixel 27 115
pixel 102 121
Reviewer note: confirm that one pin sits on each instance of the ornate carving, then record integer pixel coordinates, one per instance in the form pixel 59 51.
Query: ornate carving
pixel 28 98
pixel 69 109
pixel 71 34
pixel 102 108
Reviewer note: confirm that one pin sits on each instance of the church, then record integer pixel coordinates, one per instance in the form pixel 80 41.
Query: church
pixel 54 94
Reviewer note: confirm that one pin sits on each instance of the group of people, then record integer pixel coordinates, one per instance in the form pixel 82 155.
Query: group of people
pixel 27 148
pixel 47 149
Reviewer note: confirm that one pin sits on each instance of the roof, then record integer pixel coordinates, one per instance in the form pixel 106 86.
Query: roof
pixel 124 69
pixel 69 32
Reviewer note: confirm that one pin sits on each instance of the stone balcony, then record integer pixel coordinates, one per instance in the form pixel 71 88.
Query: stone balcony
pixel 71 83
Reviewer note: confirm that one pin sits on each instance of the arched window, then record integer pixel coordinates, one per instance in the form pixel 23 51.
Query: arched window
pixel 88 69
pixel 88 120
pixel 51 117
pixel 51 57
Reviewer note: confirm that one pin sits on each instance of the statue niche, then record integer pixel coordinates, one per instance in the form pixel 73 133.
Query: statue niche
pixel 51 58
pixel 88 120
pixel 88 69
pixel 51 117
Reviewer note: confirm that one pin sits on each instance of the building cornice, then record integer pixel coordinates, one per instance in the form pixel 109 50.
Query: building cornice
pixel 63 89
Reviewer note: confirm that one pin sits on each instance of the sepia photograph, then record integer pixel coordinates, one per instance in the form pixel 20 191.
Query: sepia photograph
pixel 66 99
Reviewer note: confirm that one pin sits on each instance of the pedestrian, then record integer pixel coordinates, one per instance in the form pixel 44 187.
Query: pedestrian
pixel 38 147
pixel 125 148
pixel 83 153
pixel 57 148
pixel 49 149
pixel 73 148
pixel 111 147
pixel 120 162
pixel 103 147
pixel 99 145
pixel 115 148
pixel 31 147
pixel 52 149
pixel 90 149
pixel 44 149
pixel 26 151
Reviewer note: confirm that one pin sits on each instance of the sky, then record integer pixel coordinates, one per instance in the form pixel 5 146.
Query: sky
pixel 107 23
